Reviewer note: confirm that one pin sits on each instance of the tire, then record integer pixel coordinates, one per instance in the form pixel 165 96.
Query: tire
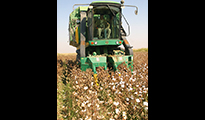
pixel 78 55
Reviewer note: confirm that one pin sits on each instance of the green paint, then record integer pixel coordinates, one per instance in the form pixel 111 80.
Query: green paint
pixel 105 2
pixel 93 62
pixel 83 8
pixel 106 42
pixel 116 60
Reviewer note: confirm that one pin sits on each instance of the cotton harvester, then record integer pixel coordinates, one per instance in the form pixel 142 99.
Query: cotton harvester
pixel 96 31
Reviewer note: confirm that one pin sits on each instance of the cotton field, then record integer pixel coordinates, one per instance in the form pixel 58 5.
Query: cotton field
pixel 120 95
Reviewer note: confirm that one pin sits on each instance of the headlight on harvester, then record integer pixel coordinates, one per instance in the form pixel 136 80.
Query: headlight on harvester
pixel 118 42
pixel 96 43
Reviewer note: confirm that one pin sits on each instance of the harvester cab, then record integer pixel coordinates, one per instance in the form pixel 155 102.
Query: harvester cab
pixel 96 31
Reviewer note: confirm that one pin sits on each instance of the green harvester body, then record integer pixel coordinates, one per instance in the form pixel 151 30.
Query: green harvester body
pixel 98 44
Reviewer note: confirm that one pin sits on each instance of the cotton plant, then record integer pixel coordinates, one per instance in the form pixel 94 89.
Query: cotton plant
pixel 116 95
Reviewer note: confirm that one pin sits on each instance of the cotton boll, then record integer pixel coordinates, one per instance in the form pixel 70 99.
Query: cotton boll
pixel 117 111
pixel 83 110
pixel 83 104
pixel 89 104
pixel 145 103
pixel 85 88
pixel 124 115
pixel 132 97
pixel 137 100
pixel 116 103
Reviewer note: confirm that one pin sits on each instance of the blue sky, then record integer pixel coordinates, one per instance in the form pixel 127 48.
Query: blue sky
pixel 138 37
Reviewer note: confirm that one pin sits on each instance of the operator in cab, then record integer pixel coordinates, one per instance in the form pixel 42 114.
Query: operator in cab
pixel 103 25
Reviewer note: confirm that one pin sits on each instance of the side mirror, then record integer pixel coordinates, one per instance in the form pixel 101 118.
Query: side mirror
pixel 136 12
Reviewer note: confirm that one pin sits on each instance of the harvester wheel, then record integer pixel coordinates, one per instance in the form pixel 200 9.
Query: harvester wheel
pixel 78 55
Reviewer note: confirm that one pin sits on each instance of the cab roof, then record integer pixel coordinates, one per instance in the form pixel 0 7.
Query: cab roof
pixel 105 2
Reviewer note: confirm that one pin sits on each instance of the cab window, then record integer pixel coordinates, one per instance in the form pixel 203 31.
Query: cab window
pixel 106 23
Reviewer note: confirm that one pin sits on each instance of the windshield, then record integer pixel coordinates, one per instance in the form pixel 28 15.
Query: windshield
pixel 106 22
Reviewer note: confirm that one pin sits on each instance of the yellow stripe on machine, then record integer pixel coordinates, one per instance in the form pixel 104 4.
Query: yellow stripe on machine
pixel 76 35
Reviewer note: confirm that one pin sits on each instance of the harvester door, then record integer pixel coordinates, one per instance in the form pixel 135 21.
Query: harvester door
pixel 90 24
pixel 82 33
